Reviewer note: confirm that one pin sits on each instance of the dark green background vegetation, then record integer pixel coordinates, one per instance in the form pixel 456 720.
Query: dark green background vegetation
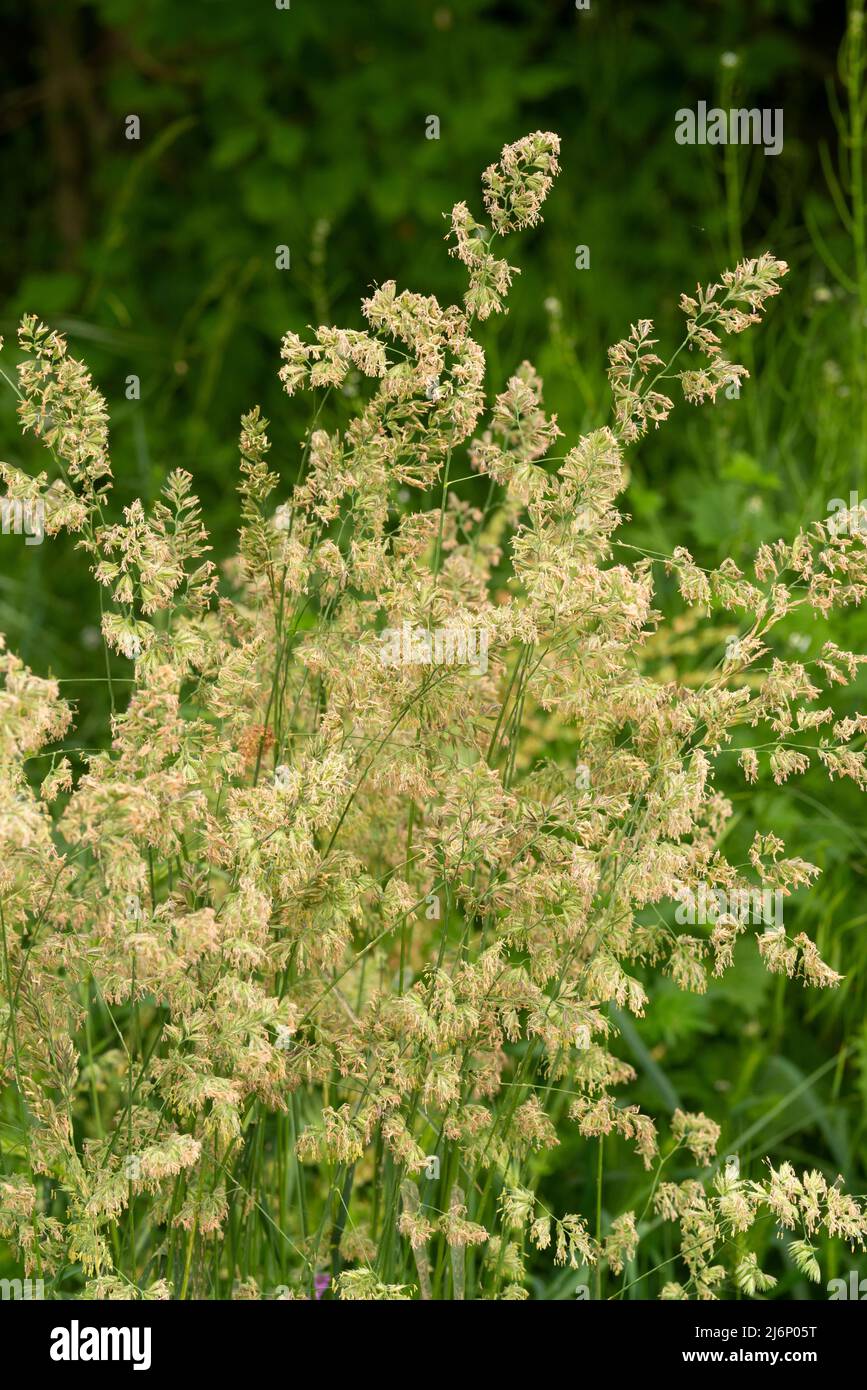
pixel 262 127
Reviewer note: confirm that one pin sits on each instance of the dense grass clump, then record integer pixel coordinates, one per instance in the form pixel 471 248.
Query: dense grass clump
pixel 321 977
